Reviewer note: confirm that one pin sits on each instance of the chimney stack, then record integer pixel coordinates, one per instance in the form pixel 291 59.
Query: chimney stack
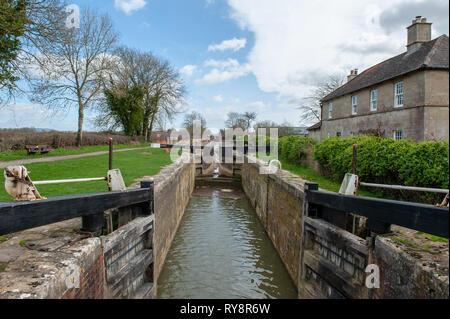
pixel 418 32
pixel 353 74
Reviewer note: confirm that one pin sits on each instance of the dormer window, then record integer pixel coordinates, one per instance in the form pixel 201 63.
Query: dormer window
pixel 330 110
pixel 398 96
pixel 354 105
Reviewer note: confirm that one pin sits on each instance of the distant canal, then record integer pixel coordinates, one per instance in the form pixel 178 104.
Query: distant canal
pixel 221 251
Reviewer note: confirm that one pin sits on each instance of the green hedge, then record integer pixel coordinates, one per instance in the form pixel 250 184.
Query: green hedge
pixel 387 161
pixel 292 148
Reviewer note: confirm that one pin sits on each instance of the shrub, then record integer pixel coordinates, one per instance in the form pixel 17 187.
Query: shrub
pixel 387 161
pixel 292 148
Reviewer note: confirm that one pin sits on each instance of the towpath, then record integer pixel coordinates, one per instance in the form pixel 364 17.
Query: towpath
pixel 65 157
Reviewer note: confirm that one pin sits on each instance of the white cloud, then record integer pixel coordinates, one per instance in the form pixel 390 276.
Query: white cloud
pixel 223 71
pixel 129 6
pixel 188 70
pixel 218 99
pixel 298 43
pixel 257 106
pixel 221 64
pixel 233 44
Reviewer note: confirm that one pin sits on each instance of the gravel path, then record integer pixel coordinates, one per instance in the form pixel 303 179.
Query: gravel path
pixel 59 158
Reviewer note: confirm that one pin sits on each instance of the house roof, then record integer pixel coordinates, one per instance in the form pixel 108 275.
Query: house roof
pixel 430 55
pixel 315 126
pixel 300 130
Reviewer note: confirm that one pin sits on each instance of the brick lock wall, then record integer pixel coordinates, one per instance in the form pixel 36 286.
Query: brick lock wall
pixel 91 283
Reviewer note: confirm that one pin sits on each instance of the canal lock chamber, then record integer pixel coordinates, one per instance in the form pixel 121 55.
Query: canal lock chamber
pixel 221 249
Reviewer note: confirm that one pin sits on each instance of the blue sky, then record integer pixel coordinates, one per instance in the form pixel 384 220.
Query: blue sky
pixel 251 55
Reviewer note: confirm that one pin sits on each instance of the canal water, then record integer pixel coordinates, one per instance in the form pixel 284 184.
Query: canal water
pixel 221 251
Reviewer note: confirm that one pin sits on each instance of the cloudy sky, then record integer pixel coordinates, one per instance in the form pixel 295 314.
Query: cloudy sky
pixel 252 55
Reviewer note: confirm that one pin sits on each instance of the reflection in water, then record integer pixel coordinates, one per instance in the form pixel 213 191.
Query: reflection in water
pixel 221 251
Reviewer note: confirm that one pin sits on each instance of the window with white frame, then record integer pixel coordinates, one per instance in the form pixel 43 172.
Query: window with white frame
pixel 330 110
pixel 354 105
pixel 373 100
pixel 398 135
pixel 339 134
pixel 398 92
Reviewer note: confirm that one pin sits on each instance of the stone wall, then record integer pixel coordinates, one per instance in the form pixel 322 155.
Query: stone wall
pixel 410 120
pixel 55 261
pixel 404 276
pixel 91 284
pixel 325 261
pixel 173 189
pixel 278 201
pixel 51 262
pixel 424 115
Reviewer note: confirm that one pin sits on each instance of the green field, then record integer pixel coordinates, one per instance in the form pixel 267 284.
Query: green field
pixel 22 154
pixel 132 164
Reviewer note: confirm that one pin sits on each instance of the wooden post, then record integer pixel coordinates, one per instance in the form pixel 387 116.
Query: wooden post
pixel 110 153
pixel 378 227
pixel 148 208
pixel 93 224
pixel 304 241
pixel 308 187
pixel 355 150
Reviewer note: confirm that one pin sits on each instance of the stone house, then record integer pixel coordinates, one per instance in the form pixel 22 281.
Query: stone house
pixel 314 131
pixel 404 97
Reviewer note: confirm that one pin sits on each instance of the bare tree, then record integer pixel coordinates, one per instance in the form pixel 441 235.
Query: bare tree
pixel 69 69
pixel 161 121
pixel 310 106
pixel 161 84
pixel 189 120
pixel 236 120
pixel 265 124
pixel 165 97
pixel 249 117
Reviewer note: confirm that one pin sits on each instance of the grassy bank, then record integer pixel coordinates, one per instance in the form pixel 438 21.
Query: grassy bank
pixel 324 182
pixel 132 164
pixel 22 154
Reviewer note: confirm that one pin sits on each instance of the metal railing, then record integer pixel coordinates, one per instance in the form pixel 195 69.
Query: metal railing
pixel 407 188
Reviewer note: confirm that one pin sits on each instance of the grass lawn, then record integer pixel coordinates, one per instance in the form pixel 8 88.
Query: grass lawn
pixel 132 164
pixel 324 182
pixel 22 154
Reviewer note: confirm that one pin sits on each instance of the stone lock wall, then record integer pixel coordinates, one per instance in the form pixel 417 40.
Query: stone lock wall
pixel 91 281
pixel 173 188
pixel 404 276
pixel 278 201
pixel 325 261
pixel 60 264
pixel 50 262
